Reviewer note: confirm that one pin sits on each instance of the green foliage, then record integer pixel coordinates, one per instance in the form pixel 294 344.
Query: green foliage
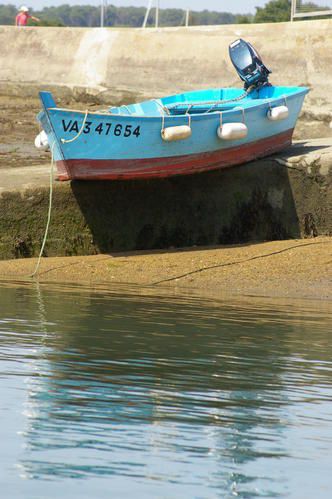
pixel 89 16
pixel 273 12
pixel 310 7
pixel 7 14
pixel 244 18
pixel 279 11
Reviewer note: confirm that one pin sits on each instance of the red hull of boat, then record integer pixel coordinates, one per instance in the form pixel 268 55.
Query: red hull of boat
pixel 94 169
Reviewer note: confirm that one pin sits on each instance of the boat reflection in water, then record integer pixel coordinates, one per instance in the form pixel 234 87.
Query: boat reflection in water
pixel 174 397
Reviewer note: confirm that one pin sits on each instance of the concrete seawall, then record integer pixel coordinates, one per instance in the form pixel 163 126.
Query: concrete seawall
pixel 125 64
pixel 287 196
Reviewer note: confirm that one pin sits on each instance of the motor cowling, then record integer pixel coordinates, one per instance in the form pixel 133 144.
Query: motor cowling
pixel 248 64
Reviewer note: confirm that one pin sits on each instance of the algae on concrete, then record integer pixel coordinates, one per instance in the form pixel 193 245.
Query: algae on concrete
pixel 285 196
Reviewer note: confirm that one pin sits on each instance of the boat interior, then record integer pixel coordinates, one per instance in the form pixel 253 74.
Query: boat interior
pixel 206 101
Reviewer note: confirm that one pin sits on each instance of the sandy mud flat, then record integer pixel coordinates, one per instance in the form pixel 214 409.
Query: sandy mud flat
pixel 295 269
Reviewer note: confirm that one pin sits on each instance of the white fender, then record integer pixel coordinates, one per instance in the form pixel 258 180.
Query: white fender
pixel 277 113
pixel 176 133
pixel 232 131
pixel 41 141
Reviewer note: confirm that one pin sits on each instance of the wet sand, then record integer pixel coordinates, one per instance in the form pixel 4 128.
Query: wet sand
pixel 293 268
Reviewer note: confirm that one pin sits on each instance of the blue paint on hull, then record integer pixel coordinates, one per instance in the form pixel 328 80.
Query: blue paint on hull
pixel 134 131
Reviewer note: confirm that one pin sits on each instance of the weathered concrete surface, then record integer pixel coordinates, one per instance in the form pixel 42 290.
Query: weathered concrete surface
pixel 285 196
pixel 128 64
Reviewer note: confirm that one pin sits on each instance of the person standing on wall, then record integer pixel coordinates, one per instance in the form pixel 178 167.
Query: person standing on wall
pixel 23 17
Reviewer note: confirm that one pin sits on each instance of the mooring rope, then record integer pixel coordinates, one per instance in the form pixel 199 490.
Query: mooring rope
pixel 66 141
pixel 49 213
pixel 161 106
pixel 213 103
pixel 236 262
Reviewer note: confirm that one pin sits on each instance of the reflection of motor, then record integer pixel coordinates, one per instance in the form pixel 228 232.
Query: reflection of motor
pixel 248 64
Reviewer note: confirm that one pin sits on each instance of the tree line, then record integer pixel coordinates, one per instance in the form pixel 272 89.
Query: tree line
pixel 89 16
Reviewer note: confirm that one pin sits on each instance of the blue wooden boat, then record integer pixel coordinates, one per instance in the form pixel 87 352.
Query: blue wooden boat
pixel 175 135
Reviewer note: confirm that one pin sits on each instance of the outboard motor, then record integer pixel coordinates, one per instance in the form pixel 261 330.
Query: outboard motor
pixel 248 64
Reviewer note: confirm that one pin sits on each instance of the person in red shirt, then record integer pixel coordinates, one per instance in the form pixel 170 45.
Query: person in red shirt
pixel 23 17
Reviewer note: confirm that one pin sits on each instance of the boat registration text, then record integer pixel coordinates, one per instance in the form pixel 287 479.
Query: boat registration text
pixel 102 128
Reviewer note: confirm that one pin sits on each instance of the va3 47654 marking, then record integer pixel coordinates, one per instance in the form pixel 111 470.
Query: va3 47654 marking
pixel 102 128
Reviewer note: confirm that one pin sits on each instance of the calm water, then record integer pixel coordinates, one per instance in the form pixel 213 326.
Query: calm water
pixel 121 395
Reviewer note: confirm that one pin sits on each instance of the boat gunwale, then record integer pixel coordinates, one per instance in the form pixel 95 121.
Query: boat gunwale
pixel 258 102
pixel 193 117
